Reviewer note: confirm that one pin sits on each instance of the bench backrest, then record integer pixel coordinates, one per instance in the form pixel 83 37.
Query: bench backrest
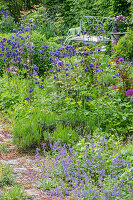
pixel 97 25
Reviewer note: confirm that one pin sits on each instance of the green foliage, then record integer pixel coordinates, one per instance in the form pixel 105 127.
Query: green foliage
pixel 13 193
pixel 6 24
pixel 3 149
pixel 124 46
pixel 6 177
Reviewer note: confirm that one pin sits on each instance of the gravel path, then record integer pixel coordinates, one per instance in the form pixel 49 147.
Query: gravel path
pixel 24 167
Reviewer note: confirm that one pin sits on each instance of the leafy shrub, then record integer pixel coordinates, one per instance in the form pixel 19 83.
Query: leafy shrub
pixel 124 46
pixel 6 24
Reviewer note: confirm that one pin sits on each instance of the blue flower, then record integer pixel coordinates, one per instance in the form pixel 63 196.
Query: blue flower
pixel 108 65
pixel 131 63
pixel 27 98
pixel 113 76
pixel 36 82
pixel 116 74
pixel 91 65
pixel 55 77
pixel 50 70
pixel 41 57
pixel 26 29
pixel 85 69
pixel 35 68
pixel 41 51
pixel 42 80
pixel 25 65
pixel 41 86
pixel 34 26
pixel 50 59
pixel 44 46
pixel 66 74
pixel 35 73
pixel 31 90
pixel 30 74
pixel 88 98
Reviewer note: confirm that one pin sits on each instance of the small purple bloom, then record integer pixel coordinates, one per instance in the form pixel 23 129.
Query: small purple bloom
pixel 121 59
pixel 88 98
pixel 55 77
pixel 31 90
pixel 116 74
pixel 44 46
pixel 41 51
pixel 129 93
pixel 114 87
pixel 42 80
pixel 50 59
pixel 131 63
pixel 36 82
pixel 41 86
pixel 113 76
pixel 66 74
pixel 85 69
pixel 27 98
pixel 30 74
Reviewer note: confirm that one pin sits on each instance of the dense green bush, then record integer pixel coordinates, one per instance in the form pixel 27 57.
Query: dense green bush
pixel 124 46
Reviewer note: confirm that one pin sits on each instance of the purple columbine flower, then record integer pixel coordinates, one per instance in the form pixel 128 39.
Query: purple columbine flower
pixel 85 69
pixel 36 82
pixel 129 93
pixel 66 74
pixel 116 74
pixel 30 74
pixel 131 63
pixel 42 80
pixel 27 98
pixel 44 46
pixel 41 86
pixel 114 87
pixel 31 90
pixel 41 51
pixel 55 77
pixel 35 68
pixel 113 76
pixel 50 59
pixel 121 59
pixel 26 29
pixel 88 98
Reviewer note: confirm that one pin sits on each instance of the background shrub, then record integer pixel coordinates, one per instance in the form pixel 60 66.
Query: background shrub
pixel 124 46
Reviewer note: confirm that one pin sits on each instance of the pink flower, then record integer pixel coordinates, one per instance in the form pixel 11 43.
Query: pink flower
pixel 16 70
pixel 14 73
pixel 114 87
pixel 10 68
